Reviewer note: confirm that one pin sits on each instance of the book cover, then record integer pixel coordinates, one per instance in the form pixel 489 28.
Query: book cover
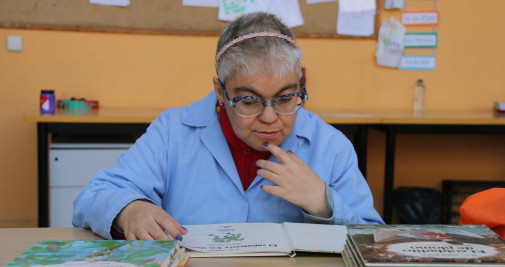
pixel 425 245
pixel 103 253
pixel 349 257
pixel 346 260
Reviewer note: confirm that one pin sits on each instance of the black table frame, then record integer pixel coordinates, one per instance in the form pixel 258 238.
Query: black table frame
pixel 393 129
pixel 44 129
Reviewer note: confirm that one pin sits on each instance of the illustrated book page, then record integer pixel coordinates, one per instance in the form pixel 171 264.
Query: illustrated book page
pixel 236 239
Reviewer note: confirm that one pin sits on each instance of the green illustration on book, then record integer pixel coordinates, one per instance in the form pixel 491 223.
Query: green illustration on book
pixel 138 253
pixel 229 237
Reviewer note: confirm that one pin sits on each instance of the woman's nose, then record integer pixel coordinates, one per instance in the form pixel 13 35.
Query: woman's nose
pixel 268 115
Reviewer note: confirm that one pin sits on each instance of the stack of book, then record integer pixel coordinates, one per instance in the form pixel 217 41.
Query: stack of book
pixel 163 253
pixel 423 245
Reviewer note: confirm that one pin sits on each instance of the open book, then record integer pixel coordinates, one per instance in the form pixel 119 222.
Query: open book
pixel 262 239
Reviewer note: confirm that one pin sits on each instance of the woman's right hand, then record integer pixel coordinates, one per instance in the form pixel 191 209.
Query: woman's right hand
pixel 143 220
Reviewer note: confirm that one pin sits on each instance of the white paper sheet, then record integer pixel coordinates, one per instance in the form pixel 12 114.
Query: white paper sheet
pixel 356 5
pixel 391 4
pixel 316 237
pixel 205 3
pixel 111 2
pixel 287 10
pixel 356 17
pixel 356 23
pixel 319 1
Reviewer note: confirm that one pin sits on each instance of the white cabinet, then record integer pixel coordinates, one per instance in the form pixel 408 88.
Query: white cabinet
pixel 71 167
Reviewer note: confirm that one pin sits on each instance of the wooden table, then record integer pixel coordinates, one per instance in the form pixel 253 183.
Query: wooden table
pixel 15 241
pixel 136 121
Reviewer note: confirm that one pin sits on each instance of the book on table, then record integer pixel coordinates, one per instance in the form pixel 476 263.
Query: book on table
pixel 423 245
pixel 104 253
pixel 262 239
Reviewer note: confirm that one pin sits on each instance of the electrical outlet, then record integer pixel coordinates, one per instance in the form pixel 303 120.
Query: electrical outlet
pixel 14 43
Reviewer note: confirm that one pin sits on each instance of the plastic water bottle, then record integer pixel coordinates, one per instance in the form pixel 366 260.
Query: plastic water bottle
pixel 419 93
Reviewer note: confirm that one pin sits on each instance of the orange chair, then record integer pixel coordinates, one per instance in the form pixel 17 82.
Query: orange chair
pixel 486 207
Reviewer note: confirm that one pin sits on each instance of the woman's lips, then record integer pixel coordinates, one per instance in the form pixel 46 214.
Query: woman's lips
pixel 269 134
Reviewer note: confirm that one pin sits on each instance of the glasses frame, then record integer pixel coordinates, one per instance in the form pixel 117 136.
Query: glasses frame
pixel 233 102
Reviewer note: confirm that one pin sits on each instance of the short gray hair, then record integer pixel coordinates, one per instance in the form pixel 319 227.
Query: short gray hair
pixel 278 55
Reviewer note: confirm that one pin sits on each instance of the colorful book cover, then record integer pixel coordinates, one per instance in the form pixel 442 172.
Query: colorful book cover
pixel 427 245
pixel 102 253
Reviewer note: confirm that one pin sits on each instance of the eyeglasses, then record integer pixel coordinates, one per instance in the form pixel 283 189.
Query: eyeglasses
pixel 251 106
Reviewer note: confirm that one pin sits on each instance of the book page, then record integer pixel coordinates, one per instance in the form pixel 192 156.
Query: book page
pixel 235 238
pixel 327 238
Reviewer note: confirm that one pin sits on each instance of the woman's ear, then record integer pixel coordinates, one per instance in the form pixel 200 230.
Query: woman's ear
pixel 219 90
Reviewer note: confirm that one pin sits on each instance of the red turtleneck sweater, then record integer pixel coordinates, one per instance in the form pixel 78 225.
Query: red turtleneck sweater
pixel 243 155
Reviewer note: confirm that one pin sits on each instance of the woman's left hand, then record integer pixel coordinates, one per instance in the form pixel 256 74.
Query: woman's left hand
pixel 294 181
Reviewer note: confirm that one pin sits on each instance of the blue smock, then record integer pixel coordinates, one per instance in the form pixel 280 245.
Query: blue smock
pixel 183 164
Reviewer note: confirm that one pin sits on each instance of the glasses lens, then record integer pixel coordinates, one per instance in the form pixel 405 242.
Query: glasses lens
pixel 284 105
pixel 288 104
pixel 249 107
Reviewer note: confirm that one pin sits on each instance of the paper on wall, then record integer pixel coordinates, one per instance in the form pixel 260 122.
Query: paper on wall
pixel 391 4
pixel 231 9
pixel 319 1
pixel 356 17
pixel 111 2
pixel 390 43
pixel 356 5
pixel 356 23
pixel 287 10
pixel 205 3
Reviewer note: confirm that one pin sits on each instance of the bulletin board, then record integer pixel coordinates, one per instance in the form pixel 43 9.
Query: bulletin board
pixel 152 17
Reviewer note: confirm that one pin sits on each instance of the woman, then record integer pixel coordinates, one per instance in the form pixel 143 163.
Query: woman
pixel 248 152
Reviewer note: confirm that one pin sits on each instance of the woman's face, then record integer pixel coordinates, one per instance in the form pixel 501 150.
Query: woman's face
pixel 268 126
